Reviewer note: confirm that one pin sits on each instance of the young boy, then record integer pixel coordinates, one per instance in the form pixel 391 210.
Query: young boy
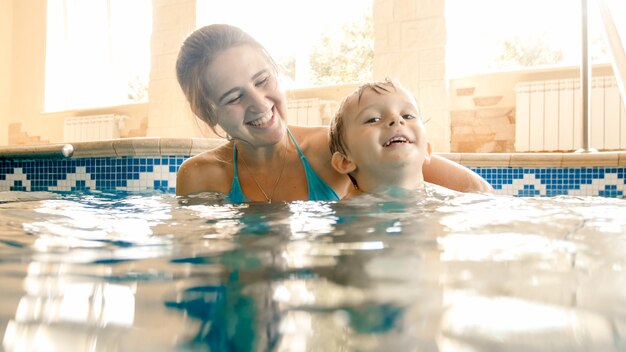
pixel 378 138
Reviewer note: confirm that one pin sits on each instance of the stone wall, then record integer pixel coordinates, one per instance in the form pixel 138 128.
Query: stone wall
pixel 486 127
pixel 410 41
pixel 19 137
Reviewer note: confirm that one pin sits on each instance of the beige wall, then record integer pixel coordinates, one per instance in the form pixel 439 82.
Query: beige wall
pixel 28 63
pixel 410 40
pixel 170 116
pixel 6 25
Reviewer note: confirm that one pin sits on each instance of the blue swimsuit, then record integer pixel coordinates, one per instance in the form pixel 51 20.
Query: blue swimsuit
pixel 318 189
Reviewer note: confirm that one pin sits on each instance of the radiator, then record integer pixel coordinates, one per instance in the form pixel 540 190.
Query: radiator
pixel 310 112
pixel 92 128
pixel 548 115
pixel 304 112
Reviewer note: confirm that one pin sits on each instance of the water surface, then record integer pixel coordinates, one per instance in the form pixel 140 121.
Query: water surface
pixel 426 271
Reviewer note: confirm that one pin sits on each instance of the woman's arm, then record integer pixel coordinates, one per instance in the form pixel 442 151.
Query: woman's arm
pixel 449 174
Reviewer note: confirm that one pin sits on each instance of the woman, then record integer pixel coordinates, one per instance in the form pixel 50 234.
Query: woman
pixel 231 81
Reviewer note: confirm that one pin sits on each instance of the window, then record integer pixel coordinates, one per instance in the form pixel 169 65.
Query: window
pixel 313 42
pixel 97 53
pixel 487 35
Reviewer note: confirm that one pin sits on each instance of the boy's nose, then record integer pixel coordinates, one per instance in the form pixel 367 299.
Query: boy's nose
pixel 396 119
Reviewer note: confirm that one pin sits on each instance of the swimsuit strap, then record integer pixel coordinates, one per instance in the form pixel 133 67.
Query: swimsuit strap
pixel 236 194
pixel 317 187
pixel 295 143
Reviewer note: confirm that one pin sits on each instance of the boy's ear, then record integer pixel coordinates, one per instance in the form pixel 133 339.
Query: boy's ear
pixel 429 150
pixel 342 163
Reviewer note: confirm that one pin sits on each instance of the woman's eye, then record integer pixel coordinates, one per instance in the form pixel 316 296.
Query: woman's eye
pixel 372 120
pixel 262 82
pixel 233 100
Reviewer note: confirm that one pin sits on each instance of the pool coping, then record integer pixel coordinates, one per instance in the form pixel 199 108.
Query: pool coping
pixel 158 146
pixel 140 146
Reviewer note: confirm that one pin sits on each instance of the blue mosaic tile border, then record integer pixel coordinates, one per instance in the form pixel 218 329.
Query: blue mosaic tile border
pixel 131 173
pixel 106 174
pixel 550 182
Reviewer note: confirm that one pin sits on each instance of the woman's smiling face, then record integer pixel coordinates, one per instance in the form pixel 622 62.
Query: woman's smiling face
pixel 250 106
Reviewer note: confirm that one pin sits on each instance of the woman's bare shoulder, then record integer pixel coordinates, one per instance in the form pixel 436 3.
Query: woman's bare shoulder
pixel 209 171
pixel 315 137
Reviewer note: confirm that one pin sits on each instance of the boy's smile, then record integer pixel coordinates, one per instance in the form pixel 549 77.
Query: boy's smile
pixel 395 140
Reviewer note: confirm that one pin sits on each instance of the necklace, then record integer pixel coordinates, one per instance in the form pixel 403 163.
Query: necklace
pixel 268 198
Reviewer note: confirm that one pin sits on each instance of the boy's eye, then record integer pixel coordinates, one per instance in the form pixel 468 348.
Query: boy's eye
pixel 372 120
pixel 408 117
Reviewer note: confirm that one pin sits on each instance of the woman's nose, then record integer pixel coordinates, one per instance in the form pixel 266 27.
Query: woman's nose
pixel 258 101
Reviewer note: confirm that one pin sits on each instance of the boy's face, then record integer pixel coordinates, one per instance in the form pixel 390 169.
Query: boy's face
pixel 384 130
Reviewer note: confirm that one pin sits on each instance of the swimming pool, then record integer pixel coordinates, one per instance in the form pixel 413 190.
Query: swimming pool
pixel 95 271
pixel 98 254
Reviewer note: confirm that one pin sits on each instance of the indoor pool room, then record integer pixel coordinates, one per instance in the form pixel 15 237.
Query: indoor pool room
pixel 108 244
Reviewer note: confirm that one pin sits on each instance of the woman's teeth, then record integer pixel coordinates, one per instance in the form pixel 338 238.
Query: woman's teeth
pixel 260 121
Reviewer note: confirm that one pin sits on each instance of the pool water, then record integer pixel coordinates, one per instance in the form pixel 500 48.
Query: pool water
pixel 417 271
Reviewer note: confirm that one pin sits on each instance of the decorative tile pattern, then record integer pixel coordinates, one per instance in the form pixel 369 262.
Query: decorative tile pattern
pixel 106 174
pixel 131 173
pixel 16 181
pixel 575 181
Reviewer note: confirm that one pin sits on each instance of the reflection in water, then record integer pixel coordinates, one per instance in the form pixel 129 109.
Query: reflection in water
pixel 61 312
pixel 227 317
pixel 503 323
pixel 428 270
